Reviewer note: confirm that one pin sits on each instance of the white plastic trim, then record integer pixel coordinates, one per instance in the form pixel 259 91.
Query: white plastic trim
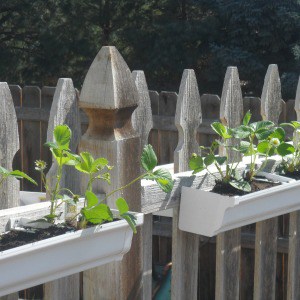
pixel 206 213
pixel 39 262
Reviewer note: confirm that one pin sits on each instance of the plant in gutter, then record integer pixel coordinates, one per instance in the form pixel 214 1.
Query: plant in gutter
pixel 290 151
pixel 95 210
pixel 254 139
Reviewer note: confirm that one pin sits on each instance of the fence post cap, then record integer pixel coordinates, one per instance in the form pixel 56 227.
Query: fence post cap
pixel 108 83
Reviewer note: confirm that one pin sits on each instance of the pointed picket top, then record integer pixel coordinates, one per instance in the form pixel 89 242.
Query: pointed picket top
pixel 65 110
pixel 187 120
pixel 271 95
pixel 231 109
pixel 108 83
pixel 297 100
pixel 142 117
pixel 9 145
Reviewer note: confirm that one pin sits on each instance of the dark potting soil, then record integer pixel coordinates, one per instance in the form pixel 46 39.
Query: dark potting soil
pixel 16 238
pixel 228 190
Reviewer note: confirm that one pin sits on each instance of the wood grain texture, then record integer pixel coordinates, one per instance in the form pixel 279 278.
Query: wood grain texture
pixel 271 95
pixel 153 136
pixel 142 123
pixel 9 145
pixel 167 140
pixel 184 257
pixel 64 110
pixel 16 92
pixel 228 248
pixel 112 77
pixel 210 105
pixel 142 116
pixel 31 136
pixel 46 103
pixel 293 289
pixel 265 259
pixel 109 97
pixel 266 231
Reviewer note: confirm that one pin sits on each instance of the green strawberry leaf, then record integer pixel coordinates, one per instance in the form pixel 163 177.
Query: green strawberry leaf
pixel 196 164
pixel 241 185
pixel 98 214
pixel 19 174
pixel 164 179
pixel 221 130
pixel 209 159
pixel 284 149
pixel 148 158
pixel 122 206
pixel 247 118
pixel 131 220
pixel 62 135
pixel 91 198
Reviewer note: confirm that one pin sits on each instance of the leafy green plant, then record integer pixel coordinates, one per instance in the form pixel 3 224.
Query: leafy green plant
pixel 4 174
pixel 209 157
pixel 257 139
pixel 254 139
pixel 95 210
pixel 290 151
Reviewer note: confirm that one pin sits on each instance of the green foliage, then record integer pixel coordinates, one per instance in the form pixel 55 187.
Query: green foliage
pixel 221 130
pixel 290 151
pixel 4 174
pixel 94 211
pixel 160 37
pixel 148 159
pixel 254 139
pixel 162 176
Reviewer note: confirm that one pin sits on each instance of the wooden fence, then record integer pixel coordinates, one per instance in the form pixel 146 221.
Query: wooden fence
pixel 259 261
pixel 33 104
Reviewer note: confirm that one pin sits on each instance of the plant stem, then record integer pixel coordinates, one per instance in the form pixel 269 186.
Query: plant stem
pixel 214 174
pixel 57 185
pixel 125 186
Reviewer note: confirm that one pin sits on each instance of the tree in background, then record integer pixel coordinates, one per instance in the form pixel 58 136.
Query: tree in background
pixel 41 41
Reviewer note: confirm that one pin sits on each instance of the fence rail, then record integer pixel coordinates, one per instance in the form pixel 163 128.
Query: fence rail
pixel 237 264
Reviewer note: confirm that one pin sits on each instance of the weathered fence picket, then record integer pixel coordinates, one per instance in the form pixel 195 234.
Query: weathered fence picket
pixel 228 249
pixel 9 145
pixel 64 110
pixel 142 123
pixel 266 231
pixel 185 245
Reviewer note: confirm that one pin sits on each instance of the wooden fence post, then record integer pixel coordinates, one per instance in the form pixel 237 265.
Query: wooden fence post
pixel 142 123
pixel 293 291
pixel 109 97
pixel 65 110
pixel 9 145
pixel 185 245
pixel 266 231
pixel 228 249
